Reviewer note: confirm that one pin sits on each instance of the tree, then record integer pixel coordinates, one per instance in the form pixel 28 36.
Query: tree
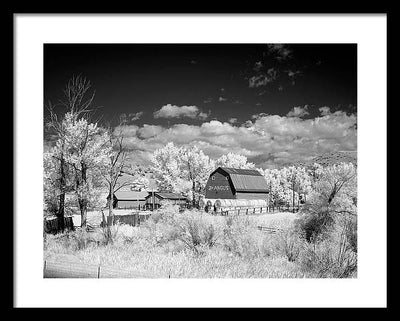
pixel 115 164
pixel 76 103
pixel 332 200
pixel 183 170
pixel 233 160
pixel 166 167
pixel 87 154
pixel 195 168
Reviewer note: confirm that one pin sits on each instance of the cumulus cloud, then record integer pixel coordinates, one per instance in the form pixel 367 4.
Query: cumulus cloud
pixel 325 111
pixel 173 111
pixel 232 120
pixel 267 140
pixel 222 99
pixel 298 112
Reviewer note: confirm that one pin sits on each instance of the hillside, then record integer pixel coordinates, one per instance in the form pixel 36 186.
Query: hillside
pixel 328 159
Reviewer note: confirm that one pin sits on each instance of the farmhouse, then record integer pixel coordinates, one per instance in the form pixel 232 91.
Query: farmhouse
pixel 155 199
pixel 124 199
pixel 238 184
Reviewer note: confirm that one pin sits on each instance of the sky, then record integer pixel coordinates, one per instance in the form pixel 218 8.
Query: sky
pixel 274 103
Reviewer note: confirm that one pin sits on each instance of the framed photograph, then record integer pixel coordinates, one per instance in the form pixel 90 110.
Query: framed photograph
pixel 230 154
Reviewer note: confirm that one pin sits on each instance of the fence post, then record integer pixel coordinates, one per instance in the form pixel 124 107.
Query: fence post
pixel 98 272
pixel 44 267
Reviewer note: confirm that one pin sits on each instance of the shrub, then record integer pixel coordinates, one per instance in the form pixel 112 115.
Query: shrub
pixel 314 225
pixel 192 228
pixel 242 239
pixel 289 242
pixel 332 257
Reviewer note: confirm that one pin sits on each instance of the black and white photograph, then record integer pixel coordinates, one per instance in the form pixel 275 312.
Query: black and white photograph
pixel 200 160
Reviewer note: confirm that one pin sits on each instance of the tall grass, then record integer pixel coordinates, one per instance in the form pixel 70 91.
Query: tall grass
pixel 194 244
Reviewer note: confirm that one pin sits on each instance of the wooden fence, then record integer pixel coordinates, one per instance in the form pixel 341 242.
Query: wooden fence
pixel 51 225
pixel 242 210
pixel 81 270
pixel 130 219
pixel 267 229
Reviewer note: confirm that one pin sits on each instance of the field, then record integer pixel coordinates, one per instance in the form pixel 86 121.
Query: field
pixel 144 249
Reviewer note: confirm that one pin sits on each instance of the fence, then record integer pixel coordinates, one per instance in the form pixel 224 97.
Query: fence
pixel 130 219
pixel 241 210
pixel 51 225
pixel 267 229
pixel 80 270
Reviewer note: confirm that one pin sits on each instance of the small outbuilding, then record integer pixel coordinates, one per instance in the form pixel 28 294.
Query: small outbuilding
pixel 154 200
pixel 234 183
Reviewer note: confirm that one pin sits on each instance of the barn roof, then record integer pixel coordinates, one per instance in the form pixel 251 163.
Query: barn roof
pixel 130 195
pixel 246 180
pixel 240 171
pixel 168 195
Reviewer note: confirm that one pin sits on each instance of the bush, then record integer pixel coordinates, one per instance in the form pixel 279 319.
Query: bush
pixel 333 258
pixel 194 229
pixel 314 226
pixel 242 239
pixel 289 243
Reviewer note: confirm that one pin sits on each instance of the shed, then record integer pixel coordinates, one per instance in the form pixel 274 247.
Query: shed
pixel 130 199
pixel 235 183
pixel 157 198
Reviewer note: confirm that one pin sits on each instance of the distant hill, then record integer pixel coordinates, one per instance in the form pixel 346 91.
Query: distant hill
pixel 336 157
pixel 328 159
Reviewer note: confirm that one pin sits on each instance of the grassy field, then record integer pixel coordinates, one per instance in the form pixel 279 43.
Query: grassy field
pixel 188 245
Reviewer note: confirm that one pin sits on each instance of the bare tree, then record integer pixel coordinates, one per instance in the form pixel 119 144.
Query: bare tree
pixel 77 101
pixel 116 165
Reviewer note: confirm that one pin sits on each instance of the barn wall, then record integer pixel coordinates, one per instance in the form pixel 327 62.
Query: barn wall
pixel 219 187
pixel 149 200
pixel 252 196
pixel 130 203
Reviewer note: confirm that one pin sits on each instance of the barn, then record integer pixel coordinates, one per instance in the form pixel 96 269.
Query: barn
pixel 239 184
pixel 124 199
pixel 155 199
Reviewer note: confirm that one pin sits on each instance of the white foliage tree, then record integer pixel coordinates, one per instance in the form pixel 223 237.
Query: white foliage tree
pixel 182 169
pixel 195 168
pixel 87 154
pixel 233 160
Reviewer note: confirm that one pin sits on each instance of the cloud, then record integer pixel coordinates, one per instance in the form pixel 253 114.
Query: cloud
pixel 135 116
pixel 173 111
pixel 281 52
pixel 238 102
pixel 193 62
pixel 222 99
pixel 293 74
pixel 298 112
pixel 148 131
pixel 261 80
pixel 325 111
pixel 258 66
pixel 208 100
pixel 267 140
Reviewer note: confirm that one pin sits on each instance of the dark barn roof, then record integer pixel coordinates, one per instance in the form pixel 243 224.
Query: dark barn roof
pixel 245 180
